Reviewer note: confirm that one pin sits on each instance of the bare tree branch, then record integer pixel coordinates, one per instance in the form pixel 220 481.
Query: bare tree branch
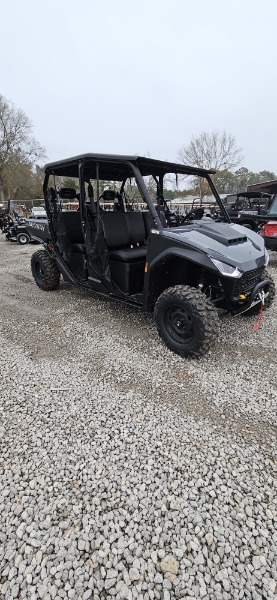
pixel 17 145
pixel 214 150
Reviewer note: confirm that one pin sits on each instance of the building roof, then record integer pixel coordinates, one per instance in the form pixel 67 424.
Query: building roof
pixel 266 186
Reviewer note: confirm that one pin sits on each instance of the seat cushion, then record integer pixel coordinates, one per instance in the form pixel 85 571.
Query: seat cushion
pixel 79 248
pixel 128 254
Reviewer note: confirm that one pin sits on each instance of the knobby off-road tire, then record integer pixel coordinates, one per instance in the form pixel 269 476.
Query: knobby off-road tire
pixel 186 320
pixel 23 238
pixel 269 299
pixel 45 271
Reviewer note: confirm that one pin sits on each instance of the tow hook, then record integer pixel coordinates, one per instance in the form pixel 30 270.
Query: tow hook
pixel 260 316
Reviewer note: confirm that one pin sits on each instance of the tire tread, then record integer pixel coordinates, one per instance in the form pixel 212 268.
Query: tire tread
pixel 51 271
pixel 205 309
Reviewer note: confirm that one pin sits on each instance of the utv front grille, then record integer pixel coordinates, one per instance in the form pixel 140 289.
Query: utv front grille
pixel 247 281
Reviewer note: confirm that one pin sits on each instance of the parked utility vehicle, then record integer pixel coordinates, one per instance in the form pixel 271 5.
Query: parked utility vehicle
pixel 250 208
pixel 15 229
pixel 269 233
pixel 183 273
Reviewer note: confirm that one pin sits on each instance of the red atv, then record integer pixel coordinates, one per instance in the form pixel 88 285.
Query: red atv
pixel 269 233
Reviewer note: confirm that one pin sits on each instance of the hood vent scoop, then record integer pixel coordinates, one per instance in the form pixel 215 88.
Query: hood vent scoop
pixel 237 241
pixel 224 233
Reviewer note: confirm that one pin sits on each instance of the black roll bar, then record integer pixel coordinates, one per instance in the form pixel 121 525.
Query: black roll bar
pixel 218 199
pixel 144 192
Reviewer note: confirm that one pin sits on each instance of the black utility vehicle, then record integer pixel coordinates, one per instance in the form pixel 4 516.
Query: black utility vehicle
pixel 249 208
pixel 4 209
pixel 15 229
pixel 183 273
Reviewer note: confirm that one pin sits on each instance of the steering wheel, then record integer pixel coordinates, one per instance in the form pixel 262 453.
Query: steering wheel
pixel 194 215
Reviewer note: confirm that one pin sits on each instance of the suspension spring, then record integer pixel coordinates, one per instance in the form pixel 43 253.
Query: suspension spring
pixel 202 279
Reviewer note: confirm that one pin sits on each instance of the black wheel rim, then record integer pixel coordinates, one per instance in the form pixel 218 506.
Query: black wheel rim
pixel 39 272
pixel 179 324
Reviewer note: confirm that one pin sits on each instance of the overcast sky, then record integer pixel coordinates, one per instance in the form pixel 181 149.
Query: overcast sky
pixel 125 76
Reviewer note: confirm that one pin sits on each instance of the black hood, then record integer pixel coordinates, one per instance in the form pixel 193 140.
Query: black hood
pixel 224 233
pixel 229 242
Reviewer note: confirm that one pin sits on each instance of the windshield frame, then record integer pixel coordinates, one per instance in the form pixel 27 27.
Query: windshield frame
pixel 273 205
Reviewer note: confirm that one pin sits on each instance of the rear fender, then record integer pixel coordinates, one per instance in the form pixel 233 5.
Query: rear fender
pixel 38 229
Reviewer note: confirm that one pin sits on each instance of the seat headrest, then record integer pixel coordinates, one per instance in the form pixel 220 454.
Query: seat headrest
pixel 67 193
pixel 109 195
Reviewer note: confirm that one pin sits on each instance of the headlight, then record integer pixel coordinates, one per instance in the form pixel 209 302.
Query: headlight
pixel 226 269
pixel 266 257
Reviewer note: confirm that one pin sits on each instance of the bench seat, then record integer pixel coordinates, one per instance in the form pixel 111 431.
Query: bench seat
pixel 128 254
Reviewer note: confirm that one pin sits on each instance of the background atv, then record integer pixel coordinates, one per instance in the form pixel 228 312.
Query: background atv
pixel 269 233
pixel 15 230
pixel 183 273
pixel 4 209
pixel 250 209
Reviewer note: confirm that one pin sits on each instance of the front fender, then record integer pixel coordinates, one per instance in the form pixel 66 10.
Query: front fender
pixel 171 267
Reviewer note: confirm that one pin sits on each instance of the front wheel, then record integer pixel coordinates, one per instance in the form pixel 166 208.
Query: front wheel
pixel 186 320
pixel 45 271
pixel 23 238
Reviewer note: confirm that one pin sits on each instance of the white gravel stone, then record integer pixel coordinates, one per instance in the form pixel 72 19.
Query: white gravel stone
pixel 134 574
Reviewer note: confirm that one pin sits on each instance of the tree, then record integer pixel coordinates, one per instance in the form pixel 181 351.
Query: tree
pixel 243 177
pixel 19 150
pixel 69 182
pixel 23 181
pixel 214 150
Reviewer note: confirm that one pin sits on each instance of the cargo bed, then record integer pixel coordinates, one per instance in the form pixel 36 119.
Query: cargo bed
pixel 38 229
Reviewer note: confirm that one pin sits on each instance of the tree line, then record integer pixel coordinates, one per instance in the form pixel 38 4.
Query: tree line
pixel 21 177
pixel 20 152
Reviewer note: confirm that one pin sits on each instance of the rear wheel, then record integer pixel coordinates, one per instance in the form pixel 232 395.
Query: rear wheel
pixel 186 320
pixel 23 238
pixel 45 271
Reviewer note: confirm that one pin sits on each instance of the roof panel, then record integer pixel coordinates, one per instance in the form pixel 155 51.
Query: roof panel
pixel 116 167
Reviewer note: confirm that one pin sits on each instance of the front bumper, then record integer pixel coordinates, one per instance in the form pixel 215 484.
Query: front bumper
pixel 254 297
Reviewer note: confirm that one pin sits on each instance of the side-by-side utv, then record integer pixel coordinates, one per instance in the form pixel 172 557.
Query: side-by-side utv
pixel 184 273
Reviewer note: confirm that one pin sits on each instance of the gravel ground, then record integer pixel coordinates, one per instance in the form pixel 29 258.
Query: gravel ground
pixel 128 472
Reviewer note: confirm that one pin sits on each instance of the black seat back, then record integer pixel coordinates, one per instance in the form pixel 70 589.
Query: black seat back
pixel 115 230
pixel 67 193
pixel 148 221
pixel 70 223
pixel 121 230
pixel 136 226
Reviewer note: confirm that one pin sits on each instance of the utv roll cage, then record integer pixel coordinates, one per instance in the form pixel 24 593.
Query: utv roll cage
pixel 120 168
